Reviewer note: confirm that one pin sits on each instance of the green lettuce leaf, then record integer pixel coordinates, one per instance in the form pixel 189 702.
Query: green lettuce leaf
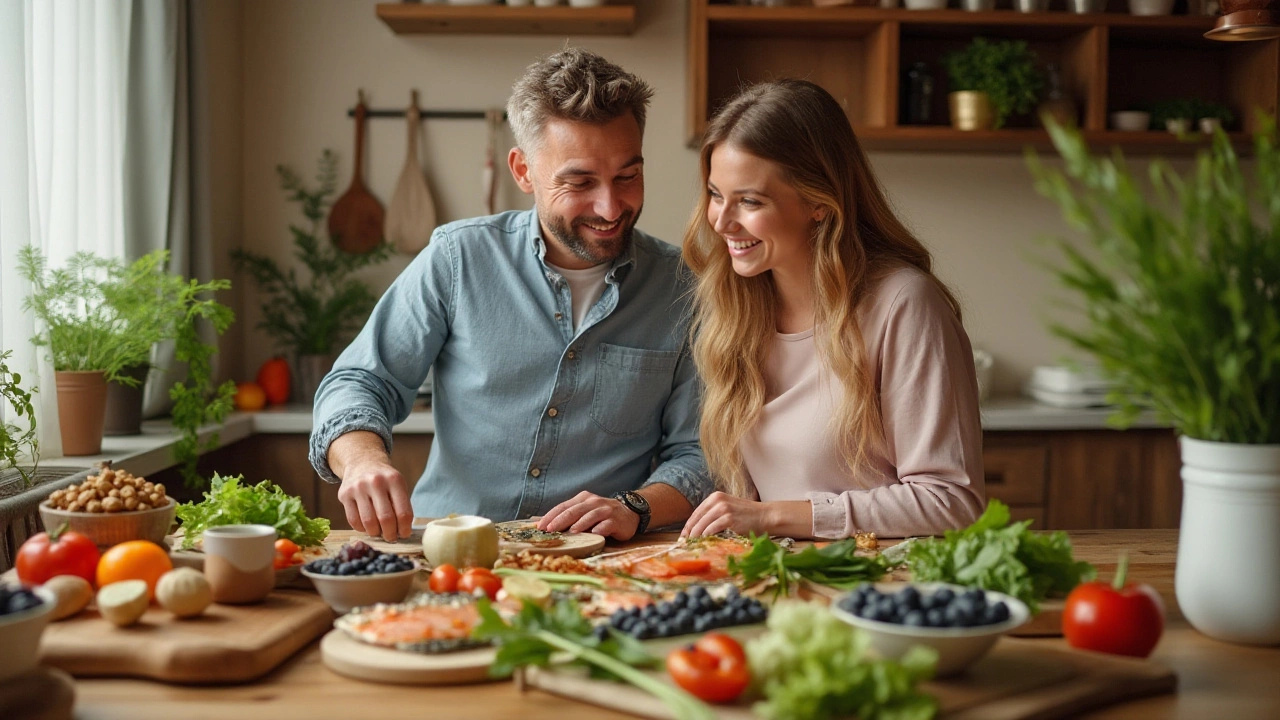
pixel 227 502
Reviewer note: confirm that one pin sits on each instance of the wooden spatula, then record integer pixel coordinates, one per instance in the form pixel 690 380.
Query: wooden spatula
pixel 411 214
pixel 355 222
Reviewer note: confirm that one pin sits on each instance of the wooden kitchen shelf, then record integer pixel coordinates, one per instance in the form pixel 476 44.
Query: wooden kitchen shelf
pixel 1110 61
pixel 419 18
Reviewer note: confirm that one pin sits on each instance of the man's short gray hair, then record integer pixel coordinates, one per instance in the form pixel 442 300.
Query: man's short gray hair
pixel 573 84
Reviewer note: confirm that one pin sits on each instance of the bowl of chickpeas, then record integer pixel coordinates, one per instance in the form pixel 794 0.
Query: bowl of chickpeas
pixel 112 507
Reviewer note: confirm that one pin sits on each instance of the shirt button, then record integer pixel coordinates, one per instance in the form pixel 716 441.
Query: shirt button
pixel 553 412
pixel 535 472
pixel 559 316
pixel 571 355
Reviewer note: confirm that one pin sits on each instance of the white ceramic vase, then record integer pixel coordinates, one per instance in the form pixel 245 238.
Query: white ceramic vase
pixel 1228 571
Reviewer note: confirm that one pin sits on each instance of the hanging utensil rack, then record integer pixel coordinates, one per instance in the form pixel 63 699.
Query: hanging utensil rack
pixel 426 114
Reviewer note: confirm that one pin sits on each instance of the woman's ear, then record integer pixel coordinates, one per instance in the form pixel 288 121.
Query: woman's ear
pixel 819 214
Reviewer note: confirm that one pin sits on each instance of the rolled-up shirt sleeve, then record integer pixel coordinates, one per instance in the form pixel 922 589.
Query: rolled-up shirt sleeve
pixel 932 428
pixel 375 380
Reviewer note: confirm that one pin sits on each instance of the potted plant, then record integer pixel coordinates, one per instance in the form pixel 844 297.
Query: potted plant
pixel 1212 116
pixel 19 447
pixel 990 81
pixel 1175 116
pixel 1181 302
pixel 309 318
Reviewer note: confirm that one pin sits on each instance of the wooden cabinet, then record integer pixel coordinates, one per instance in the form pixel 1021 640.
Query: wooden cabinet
pixel 1110 61
pixel 1086 479
pixel 282 458
pixel 411 18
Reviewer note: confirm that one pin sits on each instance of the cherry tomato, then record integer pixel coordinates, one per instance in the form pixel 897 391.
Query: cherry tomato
pixel 287 553
pixel 61 552
pixel 444 579
pixel 480 579
pixel 713 669
pixel 1120 618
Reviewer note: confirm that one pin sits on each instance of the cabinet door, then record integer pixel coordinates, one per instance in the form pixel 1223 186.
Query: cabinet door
pixel 1015 467
pixel 1108 479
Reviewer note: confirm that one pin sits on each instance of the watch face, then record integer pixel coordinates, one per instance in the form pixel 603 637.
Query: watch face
pixel 641 505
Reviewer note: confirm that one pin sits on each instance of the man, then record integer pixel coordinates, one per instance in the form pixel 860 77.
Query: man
pixel 563 383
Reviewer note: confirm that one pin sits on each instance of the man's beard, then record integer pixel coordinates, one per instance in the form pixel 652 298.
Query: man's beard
pixel 596 253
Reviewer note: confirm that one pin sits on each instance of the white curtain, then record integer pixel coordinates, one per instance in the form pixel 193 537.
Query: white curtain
pixel 93 130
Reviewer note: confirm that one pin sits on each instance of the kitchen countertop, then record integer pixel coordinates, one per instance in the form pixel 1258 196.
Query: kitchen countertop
pixel 151 451
pixel 1215 679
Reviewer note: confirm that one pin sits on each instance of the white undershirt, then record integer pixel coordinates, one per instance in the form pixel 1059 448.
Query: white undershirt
pixel 585 287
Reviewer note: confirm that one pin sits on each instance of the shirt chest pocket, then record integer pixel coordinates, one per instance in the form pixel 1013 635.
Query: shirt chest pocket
pixel 632 387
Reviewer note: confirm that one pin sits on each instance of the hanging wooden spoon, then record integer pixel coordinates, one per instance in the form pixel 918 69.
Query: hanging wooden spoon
pixel 411 214
pixel 355 222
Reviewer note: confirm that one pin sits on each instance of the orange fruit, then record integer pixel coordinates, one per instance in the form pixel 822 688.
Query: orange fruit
pixel 134 560
pixel 250 396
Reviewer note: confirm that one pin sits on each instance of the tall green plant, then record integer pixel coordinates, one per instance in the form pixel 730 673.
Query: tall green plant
pixel 1183 299
pixel 314 315
pixel 16 442
pixel 1006 70
pixel 196 401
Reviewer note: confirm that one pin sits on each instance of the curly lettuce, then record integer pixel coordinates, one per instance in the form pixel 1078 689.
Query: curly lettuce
pixel 228 502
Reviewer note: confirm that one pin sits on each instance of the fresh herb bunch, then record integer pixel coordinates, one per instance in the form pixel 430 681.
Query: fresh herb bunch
pixel 311 317
pixel 228 502
pixel 535 634
pixel 995 555
pixel 813 666
pixel 14 441
pixel 835 564
pixel 1006 70
pixel 1181 296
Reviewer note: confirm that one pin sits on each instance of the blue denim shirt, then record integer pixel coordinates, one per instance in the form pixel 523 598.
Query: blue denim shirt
pixel 527 413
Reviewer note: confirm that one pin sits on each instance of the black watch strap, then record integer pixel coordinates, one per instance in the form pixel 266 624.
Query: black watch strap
pixel 636 503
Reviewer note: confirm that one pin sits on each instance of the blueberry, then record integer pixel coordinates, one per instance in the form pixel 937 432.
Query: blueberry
pixel 914 618
pixel 346 568
pixel 701 624
pixel 662 629
pixel 643 631
pixel 741 616
pixel 933 617
pixel 951 617
pixel 869 611
pixel 852 603
pixel 666 610
pixel 649 612
pixel 601 632
pixel 757 613
pixel 698 592
pixel 681 599
pixel 732 593
pixel 975 596
pixel 997 613
pixel 943 597
pixel 626 624
pixel 909 598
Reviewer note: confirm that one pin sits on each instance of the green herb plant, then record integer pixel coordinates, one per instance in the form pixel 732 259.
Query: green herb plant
pixel 312 316
pixel 1006 70
pixel 18 447
pixel 229 502
pixel 996 555
pixel 811 665
pixel 1181 295
pixel 534 635
pixel 835 565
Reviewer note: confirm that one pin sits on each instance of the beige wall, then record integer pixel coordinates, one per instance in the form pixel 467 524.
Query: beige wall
pixel 302 61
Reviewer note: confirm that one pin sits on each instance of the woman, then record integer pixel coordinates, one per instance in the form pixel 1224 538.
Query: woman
pixel 840 394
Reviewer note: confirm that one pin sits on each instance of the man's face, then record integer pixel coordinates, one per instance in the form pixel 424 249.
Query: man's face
pixel 587 181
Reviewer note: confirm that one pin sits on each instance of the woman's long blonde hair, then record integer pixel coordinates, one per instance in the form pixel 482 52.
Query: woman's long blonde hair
pixel 803 130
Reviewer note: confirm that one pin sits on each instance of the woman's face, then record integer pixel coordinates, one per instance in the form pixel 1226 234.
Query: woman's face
pixel 765 223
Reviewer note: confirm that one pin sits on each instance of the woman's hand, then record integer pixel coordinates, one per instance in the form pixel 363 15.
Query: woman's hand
pixel 721 511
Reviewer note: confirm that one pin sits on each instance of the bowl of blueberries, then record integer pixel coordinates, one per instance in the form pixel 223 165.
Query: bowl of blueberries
pixel 360 575
pixel 24 612
pixel 961 624
pixel 693 610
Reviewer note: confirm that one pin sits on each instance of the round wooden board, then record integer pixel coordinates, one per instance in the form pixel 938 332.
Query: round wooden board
pixel 352 658
pixel 578 545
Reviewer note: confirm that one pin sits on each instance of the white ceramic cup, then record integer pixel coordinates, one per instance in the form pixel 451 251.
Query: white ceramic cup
pixel 239 562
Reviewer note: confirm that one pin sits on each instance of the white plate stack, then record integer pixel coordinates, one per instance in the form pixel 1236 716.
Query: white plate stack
pixel 1069 387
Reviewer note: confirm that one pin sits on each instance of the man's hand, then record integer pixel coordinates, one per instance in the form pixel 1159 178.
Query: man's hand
pixel 588 512
pixel 372 492
pixel 721 511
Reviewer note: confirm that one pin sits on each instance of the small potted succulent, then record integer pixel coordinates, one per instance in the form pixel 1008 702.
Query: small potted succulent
pixel 991 80
pixel 1176 116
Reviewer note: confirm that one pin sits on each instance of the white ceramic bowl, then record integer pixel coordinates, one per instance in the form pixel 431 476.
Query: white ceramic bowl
pixel 344 592
pixel 107 529
pixel 1131 120
pixel 958 648
pixel 20 635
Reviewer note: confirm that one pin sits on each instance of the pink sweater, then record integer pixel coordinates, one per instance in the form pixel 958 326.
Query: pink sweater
pixel 929 477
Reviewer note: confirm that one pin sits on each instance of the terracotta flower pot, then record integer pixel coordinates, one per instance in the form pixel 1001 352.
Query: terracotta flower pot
pixel 124 403
pixel 82 405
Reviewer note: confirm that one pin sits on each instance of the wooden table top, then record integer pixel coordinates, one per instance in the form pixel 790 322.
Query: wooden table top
pixel 1216 680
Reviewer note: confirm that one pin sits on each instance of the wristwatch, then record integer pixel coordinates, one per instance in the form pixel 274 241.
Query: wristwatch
pixel 636 503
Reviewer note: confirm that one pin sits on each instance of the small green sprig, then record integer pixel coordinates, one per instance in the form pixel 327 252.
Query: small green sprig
pixel 14 441
pixel 836 565
pixel 534 635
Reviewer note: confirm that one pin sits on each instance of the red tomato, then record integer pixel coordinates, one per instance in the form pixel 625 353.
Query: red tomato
pixel 1120 618
pixel 286 553
pixel 713 669
pixel 480 579
pixel 444 579
pixel 274 377
pixel 61 552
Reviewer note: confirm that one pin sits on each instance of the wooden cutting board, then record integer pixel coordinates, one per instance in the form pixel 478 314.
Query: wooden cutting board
pixel 40 694
pixel 347 656
pixel 578 545
pixel 1019 680
pixel 228 644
